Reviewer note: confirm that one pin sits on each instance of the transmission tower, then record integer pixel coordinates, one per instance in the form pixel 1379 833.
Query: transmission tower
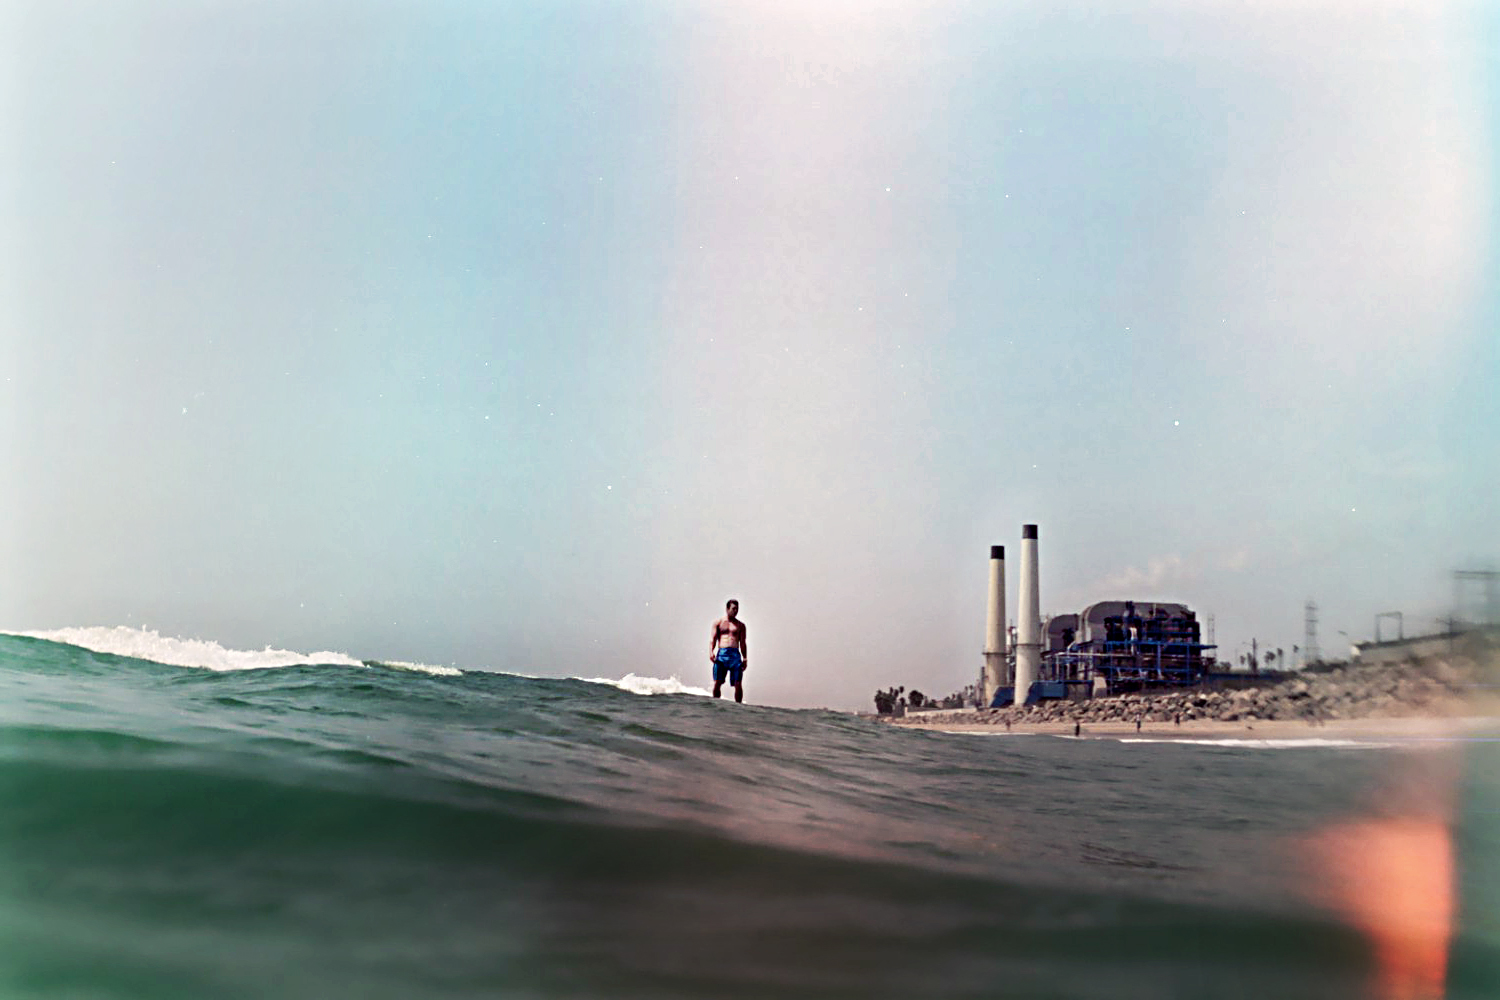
pixel 1487 609
pixel 1310 651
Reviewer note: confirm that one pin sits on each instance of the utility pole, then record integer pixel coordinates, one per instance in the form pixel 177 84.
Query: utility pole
pixel 1310 651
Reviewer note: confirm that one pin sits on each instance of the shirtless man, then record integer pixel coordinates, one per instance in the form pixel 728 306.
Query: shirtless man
pixel 727 650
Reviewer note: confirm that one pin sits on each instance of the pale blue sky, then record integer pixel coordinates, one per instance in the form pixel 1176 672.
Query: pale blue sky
pixel 521 336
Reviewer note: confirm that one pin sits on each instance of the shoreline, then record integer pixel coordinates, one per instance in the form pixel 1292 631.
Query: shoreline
pixel 1392 729
pixel 1433 699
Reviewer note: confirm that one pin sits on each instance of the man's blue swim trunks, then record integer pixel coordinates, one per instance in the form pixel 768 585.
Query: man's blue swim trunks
pixel 727 661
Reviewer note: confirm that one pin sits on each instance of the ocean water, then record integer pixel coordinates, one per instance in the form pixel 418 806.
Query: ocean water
pixel 181 820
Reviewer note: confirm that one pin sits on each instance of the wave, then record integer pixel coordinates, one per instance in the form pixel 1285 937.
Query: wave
pixel 410 883
pixel 648 685
pixel 385 834
pixel 148 644
pixel 205 654
pixel 422 668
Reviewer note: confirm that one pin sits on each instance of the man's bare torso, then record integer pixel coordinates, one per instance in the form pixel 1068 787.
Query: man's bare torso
pixel 731 631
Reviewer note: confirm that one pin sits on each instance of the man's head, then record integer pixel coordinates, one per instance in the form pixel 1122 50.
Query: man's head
pixel 732 606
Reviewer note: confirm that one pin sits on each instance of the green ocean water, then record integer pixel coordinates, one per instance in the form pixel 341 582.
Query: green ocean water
pixel 345 830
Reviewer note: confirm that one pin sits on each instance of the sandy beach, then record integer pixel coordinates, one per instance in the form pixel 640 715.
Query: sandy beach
pixel 1435 699
pixel 1413 729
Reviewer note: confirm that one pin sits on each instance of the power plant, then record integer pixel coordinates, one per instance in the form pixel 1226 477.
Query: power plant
pixel 1109 646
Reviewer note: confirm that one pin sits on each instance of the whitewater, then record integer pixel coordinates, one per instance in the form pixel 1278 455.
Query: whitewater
pixel 148 644
pixel 180 819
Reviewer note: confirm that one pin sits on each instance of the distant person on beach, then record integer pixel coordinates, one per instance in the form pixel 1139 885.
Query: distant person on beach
pixel 727 650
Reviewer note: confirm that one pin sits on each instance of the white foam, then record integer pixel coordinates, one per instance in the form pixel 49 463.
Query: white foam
pixel 647 685
pixel 424 668
pixel 1269 744
pixel 147 644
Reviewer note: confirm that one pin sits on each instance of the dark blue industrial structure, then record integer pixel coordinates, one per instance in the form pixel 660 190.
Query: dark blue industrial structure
pixel 1117 646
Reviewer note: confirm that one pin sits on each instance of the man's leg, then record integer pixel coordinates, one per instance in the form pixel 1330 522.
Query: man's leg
pixel 739 692
pixel 717 685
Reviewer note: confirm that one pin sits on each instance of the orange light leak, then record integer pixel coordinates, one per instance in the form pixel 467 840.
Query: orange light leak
pixel 1392 879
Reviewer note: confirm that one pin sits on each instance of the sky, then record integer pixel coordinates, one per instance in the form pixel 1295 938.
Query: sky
pixel 521 336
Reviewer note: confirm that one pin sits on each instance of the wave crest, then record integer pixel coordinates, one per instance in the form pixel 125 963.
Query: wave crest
pixel 421 668
pixel 636 684
pixel 148 644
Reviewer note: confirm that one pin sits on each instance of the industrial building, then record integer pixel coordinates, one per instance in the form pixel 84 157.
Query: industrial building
pixel 1107 647
pixel 1127 645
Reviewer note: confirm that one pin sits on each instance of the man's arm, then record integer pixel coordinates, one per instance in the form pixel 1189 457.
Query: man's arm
pixel 744 642
pixel 713 641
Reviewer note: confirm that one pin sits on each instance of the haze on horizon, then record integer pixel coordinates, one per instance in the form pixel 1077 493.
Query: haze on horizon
pixel 522 336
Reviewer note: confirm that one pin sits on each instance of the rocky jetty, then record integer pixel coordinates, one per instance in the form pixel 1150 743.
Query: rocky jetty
pixel 1349 691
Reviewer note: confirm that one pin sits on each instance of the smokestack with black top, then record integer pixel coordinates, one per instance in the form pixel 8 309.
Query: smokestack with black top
pixel 1028 617
pixel 994 627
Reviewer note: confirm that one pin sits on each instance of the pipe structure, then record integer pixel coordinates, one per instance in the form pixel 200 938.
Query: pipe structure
pixel 994 627
pixel 1028 617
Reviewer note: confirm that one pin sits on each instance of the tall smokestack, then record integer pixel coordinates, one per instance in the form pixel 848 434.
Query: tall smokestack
pixel 994 627
pixel 1028 617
